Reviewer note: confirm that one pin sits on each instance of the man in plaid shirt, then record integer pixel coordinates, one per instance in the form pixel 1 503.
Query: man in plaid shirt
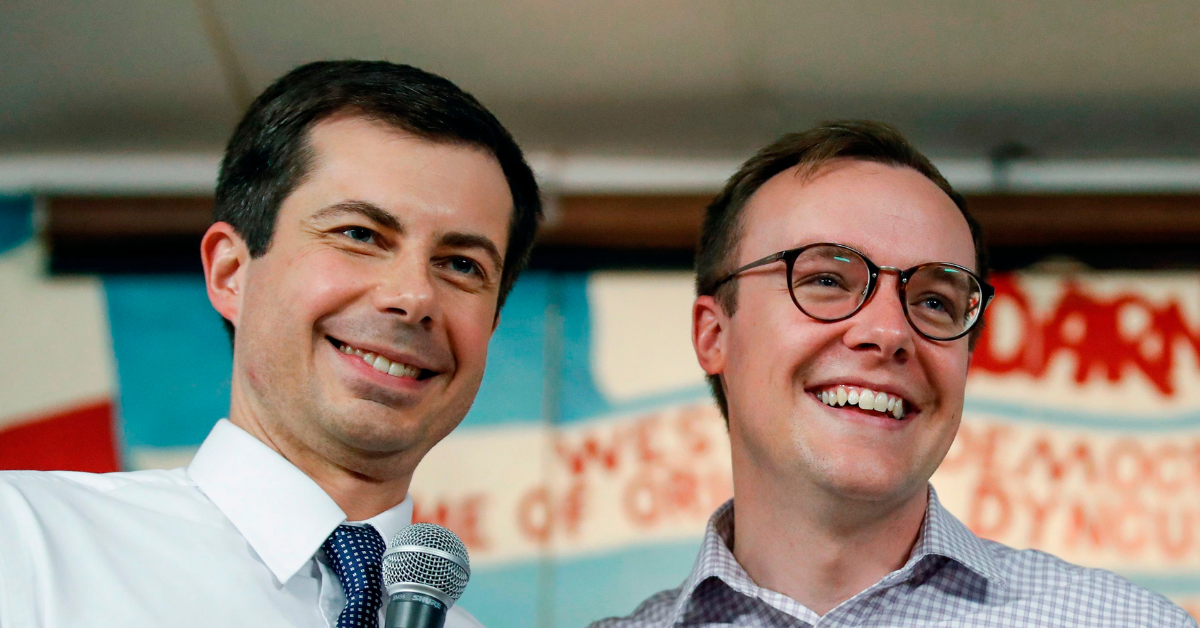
pixel 841 284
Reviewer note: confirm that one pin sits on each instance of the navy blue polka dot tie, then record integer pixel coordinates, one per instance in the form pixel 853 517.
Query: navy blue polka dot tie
pixel 356 554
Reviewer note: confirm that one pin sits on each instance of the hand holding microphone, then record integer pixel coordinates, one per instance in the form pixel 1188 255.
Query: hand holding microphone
pixel 425 570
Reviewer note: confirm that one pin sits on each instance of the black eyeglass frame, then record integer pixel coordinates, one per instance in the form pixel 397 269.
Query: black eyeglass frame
pixel 789 258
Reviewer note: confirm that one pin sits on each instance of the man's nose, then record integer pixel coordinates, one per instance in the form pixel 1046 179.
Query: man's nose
pixel 881 325
pixel 407 289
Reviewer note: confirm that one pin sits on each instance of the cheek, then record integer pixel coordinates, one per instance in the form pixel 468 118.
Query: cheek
pixel 319 284
pixel 469 325
pixel 948 372
pixel 769 354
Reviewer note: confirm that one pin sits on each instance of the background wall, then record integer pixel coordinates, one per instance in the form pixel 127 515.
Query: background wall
pixel 583 476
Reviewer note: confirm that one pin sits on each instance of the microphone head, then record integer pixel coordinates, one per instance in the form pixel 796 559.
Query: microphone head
pixel 427 558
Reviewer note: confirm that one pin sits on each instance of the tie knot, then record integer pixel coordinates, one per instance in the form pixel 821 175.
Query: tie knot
pixel 356 553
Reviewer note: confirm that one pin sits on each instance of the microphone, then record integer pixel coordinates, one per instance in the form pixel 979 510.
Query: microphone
pixel 425 570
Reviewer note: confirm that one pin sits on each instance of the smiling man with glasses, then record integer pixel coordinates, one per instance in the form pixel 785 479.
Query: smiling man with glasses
pixel 841 284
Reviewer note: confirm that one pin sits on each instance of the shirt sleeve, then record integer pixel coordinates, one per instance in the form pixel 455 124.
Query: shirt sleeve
pixel 16 571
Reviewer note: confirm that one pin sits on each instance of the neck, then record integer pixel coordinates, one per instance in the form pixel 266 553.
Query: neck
pixel 361 485
pixel 816 548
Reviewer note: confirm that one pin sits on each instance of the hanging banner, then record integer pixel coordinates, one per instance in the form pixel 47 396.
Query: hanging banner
pixel 584 474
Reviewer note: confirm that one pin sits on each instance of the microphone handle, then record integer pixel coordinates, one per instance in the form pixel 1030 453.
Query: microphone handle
pixel 414 610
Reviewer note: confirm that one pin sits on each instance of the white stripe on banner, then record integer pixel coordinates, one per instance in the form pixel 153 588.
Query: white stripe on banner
pixel 516 493
pixel 641 333
pixel 56 339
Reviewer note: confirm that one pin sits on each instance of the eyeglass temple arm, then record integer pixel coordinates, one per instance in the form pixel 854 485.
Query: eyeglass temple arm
pixel 770 259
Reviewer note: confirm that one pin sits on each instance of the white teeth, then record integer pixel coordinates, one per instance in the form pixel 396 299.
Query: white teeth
pixel 381 363
pixel 403 370
pixel 864 399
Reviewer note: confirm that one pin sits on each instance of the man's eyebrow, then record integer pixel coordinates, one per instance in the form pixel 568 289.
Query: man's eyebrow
pixel 458 239
pixel 367 210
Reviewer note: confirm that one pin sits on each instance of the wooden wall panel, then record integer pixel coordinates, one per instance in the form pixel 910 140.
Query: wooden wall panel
pixel 1020 228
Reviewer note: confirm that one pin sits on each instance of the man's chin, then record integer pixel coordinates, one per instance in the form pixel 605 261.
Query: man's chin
pixel 375 436
pixel 872 483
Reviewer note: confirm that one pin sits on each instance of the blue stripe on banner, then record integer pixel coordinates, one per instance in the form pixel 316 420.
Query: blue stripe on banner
pixel 1173 585
pixel 506 597
pixel 1088 419
pixel 512 385
pixel 173 359
pixel 580 399
pixel 16 221
pixel 629 576
pixel 174 362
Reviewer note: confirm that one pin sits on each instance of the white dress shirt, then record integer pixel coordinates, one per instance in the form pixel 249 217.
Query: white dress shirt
pixel 232 540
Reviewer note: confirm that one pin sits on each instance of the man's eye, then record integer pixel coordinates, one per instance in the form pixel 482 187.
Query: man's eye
pixel 934 303
pixel 360 234
pixel 464 265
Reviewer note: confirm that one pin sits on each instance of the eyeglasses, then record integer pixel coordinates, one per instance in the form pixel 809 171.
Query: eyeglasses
pixel 832 282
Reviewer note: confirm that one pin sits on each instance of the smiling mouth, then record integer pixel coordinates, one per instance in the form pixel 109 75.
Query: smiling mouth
pixel 382 364
pixel 863 398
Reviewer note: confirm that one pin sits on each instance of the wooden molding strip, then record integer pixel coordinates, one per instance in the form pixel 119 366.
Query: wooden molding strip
pixel 673 221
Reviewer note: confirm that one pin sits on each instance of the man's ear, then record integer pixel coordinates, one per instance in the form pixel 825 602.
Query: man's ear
pixel 224 255
pixel 708 339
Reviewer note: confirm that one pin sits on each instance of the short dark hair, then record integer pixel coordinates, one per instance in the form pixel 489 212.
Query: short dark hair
pixel 269 155
pixel 860 140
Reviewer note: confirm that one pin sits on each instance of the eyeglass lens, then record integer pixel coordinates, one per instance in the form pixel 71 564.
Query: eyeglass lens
pixel 829 283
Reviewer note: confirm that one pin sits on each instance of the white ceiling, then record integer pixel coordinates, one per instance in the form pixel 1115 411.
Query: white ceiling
pixel 690 78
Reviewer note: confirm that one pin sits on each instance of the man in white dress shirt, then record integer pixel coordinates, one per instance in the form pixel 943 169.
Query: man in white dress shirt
pixel 370 220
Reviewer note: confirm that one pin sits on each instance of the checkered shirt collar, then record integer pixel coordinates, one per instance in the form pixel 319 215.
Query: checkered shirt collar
pixel 941 535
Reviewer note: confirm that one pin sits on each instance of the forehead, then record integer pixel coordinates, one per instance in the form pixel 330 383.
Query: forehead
pixel 452 185
pixel 895 215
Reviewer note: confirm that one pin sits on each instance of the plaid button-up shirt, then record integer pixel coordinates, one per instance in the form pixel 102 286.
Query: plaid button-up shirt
pixel 952 579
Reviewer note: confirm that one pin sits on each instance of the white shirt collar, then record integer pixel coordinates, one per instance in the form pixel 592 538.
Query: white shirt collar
pixel 279 510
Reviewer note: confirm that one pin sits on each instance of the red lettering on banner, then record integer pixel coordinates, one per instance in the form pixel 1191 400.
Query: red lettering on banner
pixel 1039 513
pixel 991 510
pixel 589 450
pixel 1127 466
pixel 689 424
pixel 1177 538
pixel 665 464
pixel 1090 329
pixel 1085 526
pixel 975 448
pixel 1166 455
pixel 461 516
pixel 1042 454
pixel 664 493
pixel 1135 499
pixel 543 515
